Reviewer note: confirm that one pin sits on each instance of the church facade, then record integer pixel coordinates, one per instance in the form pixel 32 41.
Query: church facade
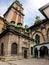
pixel 17 41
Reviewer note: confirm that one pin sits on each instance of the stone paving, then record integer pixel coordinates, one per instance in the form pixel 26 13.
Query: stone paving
pixel 26 62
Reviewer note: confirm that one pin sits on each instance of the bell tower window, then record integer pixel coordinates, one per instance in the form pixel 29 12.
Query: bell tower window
pixel 13 22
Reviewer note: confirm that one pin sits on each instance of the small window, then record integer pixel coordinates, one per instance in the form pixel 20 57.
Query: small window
pixel 13 22
pixel 19 24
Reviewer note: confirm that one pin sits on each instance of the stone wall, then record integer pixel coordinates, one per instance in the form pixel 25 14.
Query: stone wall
pixel 22 43
pixel 42 31
pixel 1 25
pixel 5 41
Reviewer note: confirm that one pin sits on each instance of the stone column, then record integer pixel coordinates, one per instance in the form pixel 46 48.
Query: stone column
pixel 38 53
pixel 9 44
pixel 18 44
pixel 19 47
pixel 0 49
pixel 48 53
pixel 33 53
pixel 9 49
pixel 29 50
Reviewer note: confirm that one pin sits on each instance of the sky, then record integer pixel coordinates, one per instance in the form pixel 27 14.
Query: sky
pixel 30 9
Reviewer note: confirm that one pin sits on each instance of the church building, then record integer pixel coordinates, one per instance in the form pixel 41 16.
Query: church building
pixel 18 41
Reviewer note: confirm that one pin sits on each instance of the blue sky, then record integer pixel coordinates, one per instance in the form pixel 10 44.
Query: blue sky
pixel 30 9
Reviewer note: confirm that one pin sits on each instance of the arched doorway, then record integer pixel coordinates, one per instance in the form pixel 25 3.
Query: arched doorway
pixel 43 51
pixel 2 49
pixel 25 53
pixel 36 52
pixel 14 49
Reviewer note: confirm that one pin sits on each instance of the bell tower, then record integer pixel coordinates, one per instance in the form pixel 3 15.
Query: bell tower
pixel 15 13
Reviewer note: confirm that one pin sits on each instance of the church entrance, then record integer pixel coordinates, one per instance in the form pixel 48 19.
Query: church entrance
pixel 44 51
pixel 25 53
pixel 14 49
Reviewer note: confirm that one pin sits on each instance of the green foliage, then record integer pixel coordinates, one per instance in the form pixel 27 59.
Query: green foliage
pixel 38 20
pixel 26 30
pixel 13 25
pixel 17 1
pixel 19 27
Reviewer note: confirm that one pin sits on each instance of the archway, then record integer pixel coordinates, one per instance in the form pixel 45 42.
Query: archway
pixel 14 49
pixel 39 37
pixel 36 52
pixel 25 53
pixel 43 51
pixel 2 49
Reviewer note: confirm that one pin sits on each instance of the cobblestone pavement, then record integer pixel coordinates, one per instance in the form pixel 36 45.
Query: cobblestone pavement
pixel 26 62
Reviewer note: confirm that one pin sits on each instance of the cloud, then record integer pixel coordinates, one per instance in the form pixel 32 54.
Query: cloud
pixel 4 5
pixel 2 10
pixel 31 10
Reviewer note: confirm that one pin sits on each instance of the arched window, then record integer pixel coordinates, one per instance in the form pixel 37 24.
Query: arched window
pixel 37 37
pixel 14 48
pixel 2 49
pixel 13 22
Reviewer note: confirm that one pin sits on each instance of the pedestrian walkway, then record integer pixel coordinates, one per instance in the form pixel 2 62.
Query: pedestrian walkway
pixel 33 61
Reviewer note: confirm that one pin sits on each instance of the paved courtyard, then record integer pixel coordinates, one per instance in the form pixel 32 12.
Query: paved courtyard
pixel 26 62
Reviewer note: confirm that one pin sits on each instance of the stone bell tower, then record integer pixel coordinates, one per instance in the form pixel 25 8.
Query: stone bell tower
pixel 15 13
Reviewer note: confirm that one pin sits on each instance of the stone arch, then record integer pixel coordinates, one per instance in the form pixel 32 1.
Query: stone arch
pixel 2 49
pixel 38 32
pixel 14 49
pixel 43 51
